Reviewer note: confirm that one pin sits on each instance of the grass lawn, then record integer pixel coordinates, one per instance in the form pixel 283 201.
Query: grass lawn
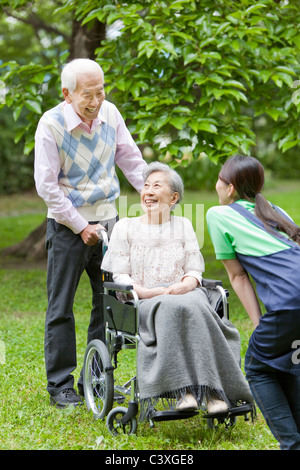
pixel 27 422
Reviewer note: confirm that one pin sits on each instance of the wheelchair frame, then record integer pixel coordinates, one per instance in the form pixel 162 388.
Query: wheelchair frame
pixel 100 361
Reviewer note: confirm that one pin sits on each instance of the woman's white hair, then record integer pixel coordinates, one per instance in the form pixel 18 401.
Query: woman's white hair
pixel 175 181
pixel 77 66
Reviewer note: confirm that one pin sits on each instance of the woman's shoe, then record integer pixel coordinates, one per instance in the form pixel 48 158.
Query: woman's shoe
pixel 217 406
pixel 188 402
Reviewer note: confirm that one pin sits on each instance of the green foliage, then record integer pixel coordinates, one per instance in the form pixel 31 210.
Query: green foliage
pixel 31 46
pixel 16 169
pixel 192 78
pixel 34 24
pixel 194 75
pixel 30 89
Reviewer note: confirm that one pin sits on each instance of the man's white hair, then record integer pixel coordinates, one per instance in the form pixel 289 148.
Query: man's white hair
pixel 77 66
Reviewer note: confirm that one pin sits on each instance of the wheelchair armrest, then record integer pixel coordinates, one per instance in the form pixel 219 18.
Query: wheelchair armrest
pixel 211 283
pixel 118 287
pixel 125 288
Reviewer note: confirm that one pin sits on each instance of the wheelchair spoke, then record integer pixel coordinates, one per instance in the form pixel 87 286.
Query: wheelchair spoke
pixel 98 379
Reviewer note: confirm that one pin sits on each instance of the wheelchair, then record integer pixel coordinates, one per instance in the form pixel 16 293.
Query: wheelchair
pixel 101 361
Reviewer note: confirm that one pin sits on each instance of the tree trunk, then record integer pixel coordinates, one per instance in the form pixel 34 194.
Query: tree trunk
pixel 32 248
pixel 84 41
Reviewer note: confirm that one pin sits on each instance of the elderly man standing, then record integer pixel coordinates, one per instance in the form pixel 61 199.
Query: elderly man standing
pixel 77 145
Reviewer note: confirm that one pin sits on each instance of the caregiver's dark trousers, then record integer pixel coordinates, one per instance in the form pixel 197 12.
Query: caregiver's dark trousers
pixel 277 396
pixel 68 258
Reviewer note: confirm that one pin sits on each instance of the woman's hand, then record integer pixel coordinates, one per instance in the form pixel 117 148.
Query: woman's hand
pixel 187 284
pixel 148 293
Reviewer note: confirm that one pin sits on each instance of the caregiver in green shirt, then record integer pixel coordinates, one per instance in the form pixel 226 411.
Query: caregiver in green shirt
pixel 253 237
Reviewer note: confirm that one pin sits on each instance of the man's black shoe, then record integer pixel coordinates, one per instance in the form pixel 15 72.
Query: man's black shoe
pixel 65 398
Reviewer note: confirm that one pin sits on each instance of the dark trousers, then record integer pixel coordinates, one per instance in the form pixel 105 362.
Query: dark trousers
pixel 68 258
pixel 277 396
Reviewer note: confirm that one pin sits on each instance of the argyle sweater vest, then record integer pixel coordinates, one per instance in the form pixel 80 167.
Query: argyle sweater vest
pixel 87 163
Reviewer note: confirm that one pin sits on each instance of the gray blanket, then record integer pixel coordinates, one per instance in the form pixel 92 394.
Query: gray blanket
pixel 185 347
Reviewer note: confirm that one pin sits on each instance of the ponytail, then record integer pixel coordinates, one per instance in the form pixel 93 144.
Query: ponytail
pixel 274 220
pixel 246 174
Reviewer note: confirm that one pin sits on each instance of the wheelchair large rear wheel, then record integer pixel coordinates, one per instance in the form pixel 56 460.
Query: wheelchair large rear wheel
pixel 98 380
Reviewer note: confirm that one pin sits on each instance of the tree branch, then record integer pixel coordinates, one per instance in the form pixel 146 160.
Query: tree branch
pixel 36 23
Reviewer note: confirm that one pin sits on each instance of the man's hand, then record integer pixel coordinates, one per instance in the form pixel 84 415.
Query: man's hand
pixel 90 235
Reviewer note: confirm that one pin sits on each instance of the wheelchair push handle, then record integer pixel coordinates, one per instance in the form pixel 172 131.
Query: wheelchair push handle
pixel 102 234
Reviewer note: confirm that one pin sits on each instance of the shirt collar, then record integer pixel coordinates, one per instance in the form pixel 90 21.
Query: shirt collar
pixel 73 120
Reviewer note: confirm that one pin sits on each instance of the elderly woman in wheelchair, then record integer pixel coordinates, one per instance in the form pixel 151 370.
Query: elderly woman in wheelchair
pixel 187 354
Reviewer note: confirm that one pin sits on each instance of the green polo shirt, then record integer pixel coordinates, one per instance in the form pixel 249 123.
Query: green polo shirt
pixel 230 232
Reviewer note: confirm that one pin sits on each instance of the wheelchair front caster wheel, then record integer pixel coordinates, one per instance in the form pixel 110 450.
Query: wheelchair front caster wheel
pixel 228 422
pixel 115 425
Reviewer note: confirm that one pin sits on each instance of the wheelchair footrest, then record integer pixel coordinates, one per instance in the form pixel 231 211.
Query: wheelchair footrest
pixel 234 411
pixel 169 415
